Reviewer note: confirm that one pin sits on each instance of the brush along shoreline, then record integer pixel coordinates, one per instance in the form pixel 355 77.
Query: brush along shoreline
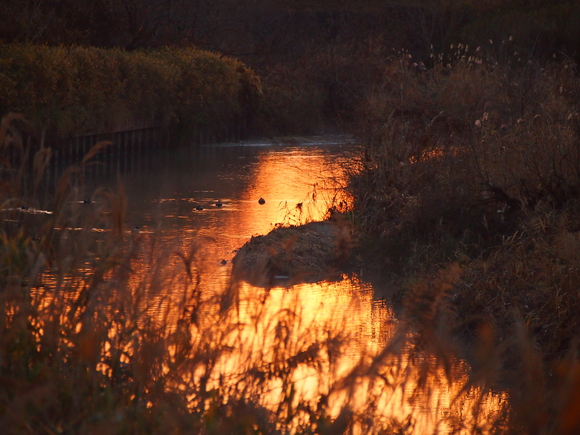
pixel 70 91
pixel 292 254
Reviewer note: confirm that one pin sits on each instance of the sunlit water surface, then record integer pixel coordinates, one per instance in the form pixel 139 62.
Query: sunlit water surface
pixel 164 191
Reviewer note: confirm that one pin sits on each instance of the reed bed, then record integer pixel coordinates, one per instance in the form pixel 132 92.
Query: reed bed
pixel 77 90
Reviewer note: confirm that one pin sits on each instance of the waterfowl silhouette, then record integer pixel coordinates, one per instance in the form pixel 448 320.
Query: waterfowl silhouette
pixel 261 201
pixel 199 207
pixel 218 203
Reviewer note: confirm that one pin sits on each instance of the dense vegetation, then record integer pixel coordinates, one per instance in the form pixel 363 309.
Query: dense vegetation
pixel 317 59
pixel 77 90
pixel 468 193
pixel 477 161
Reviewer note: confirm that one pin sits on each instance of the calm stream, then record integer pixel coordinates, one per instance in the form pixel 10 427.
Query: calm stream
pixel 164 190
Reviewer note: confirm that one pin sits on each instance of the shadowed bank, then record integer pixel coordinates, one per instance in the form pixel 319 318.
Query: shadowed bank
pixel 290 255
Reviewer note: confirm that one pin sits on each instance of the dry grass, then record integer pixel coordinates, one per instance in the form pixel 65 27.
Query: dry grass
pixel 532 274
pixel 76 90
pixel 476 162
pixel 101 331
pixel 452 154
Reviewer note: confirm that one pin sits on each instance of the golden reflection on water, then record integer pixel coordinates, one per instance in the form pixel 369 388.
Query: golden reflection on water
pixel 333 340
pixel 297 188
pixel 334 332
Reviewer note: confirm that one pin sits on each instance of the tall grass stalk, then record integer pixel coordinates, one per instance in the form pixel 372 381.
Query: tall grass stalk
pixel 107 331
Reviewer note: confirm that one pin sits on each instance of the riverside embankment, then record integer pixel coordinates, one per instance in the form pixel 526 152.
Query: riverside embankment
pixel 476 162
pixel 74 91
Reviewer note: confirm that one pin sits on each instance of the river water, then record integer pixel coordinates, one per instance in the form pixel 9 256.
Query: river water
pixel 299 180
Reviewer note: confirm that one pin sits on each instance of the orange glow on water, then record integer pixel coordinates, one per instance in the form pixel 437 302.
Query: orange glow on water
pixel 333 332
pixel 329 341
pixel 334 341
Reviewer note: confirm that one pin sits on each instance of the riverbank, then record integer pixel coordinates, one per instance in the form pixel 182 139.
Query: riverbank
pixel 292 254
pixel 469 199
pixel 475 163
pixel 74 91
